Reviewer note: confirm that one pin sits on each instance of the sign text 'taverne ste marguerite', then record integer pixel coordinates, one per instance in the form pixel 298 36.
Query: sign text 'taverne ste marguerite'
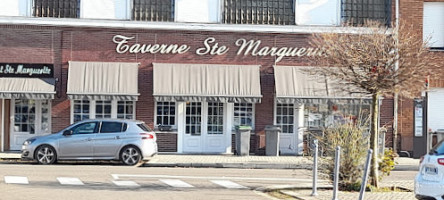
pixel 211 47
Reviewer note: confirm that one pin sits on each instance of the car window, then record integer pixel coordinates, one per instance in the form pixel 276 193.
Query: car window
pixel 439 148
pixel 111 127
pixel 144 127
pixel 85 128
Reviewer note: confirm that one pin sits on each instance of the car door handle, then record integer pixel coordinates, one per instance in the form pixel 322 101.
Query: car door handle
pixel 89 139
pixel 117 137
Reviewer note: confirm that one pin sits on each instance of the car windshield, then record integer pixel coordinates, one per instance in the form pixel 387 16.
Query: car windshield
pixel 144 127
pixel 438 149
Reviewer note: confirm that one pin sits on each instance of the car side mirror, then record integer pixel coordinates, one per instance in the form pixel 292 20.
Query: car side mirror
pixel 67 132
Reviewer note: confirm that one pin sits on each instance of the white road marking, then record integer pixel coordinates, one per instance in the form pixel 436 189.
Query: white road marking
pixel 176 183
pixel 121 176
pixel 126 183
pixel 228 184
pixel 69 181
pixel 16 180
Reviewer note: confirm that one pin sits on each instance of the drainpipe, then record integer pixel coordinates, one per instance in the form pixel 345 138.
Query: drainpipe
pixel 395 98
pixel 3 125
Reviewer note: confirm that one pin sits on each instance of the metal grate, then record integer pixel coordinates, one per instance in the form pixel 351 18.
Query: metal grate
pixel 56 8
pixel 356 12
pixel 153 10
pixel 276 12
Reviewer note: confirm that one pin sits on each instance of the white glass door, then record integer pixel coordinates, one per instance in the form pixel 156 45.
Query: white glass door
pixel 285 118
pixel 193 127
pixel 204 128
pixel 214 134
pixel 29 118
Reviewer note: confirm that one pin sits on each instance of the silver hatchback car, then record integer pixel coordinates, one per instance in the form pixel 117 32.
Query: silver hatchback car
pixel 130 141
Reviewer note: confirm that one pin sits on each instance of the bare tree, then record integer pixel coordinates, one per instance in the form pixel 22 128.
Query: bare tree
pixel 365 62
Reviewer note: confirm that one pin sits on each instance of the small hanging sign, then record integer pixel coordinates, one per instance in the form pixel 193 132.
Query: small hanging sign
pixel 26 70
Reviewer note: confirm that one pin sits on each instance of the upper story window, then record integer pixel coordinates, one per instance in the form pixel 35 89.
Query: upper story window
pixel 153 10
pixel 276 12
pixel 356 12
pixel 433 24
pixel 56 8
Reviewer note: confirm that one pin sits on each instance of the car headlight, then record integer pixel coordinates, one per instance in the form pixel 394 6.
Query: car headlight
pixel 28 142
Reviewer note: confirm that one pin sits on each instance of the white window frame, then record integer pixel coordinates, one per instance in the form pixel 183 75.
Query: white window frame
pixel 175 115
pixel 218 14
pixel 253 121
pixel 338 15
pixel 92 109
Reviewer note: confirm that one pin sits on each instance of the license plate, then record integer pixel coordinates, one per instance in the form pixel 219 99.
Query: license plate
pixel 431 170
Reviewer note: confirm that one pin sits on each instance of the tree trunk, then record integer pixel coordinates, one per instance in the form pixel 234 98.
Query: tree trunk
pixel 374 140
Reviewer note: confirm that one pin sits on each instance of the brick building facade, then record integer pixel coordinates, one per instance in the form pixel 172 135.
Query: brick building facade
pixel 29 37
pixel 60 45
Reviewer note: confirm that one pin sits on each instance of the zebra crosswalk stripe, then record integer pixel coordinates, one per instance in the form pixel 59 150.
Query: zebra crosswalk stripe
pixel 69 181
pixel 228 184
pixel 16 180
pixel 176 183
pixel 126 183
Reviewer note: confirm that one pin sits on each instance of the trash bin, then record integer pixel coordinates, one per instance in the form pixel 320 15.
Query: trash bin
pixel 272 140
pixel 243 140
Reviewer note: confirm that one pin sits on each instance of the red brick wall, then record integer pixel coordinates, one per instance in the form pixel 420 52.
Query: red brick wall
pixel 386 120
pixel 167 142
pixel 411 12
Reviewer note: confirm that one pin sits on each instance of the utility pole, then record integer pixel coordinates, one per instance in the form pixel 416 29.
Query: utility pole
pixel 396 96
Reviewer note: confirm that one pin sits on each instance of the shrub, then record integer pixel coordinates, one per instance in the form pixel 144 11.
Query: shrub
pixel 352 137
pixel 387 163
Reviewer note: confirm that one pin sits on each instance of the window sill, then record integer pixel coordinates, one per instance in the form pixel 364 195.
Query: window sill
pixel 436 49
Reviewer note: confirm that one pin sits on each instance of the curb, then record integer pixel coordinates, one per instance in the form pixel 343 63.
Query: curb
pixel 291 187
pixel 406 168
pixel 229 165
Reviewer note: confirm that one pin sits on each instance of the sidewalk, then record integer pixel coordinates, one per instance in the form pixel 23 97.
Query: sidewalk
pixel 232 161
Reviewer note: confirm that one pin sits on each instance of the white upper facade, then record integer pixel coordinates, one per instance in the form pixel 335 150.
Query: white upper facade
pixel 305 12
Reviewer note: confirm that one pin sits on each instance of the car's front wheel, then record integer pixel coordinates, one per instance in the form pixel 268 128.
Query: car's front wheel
pixel 46 155
pixel 130 155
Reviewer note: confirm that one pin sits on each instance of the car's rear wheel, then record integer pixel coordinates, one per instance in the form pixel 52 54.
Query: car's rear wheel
pixel 130 155
pixel 46 155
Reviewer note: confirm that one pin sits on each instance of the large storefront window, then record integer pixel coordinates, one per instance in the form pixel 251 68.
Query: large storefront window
pixel 81 110
pixel 32 116
pixel 317 116
pixel 166 113
pixel 24 118
pixel 103 109
pixel 125 109
pixel 243 114
pixel 91 109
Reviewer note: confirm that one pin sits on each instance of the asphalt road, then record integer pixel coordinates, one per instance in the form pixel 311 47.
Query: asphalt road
pixel 108 181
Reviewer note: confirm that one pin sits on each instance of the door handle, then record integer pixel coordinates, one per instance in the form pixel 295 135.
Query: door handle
pixel 89 139
pixel 117 137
